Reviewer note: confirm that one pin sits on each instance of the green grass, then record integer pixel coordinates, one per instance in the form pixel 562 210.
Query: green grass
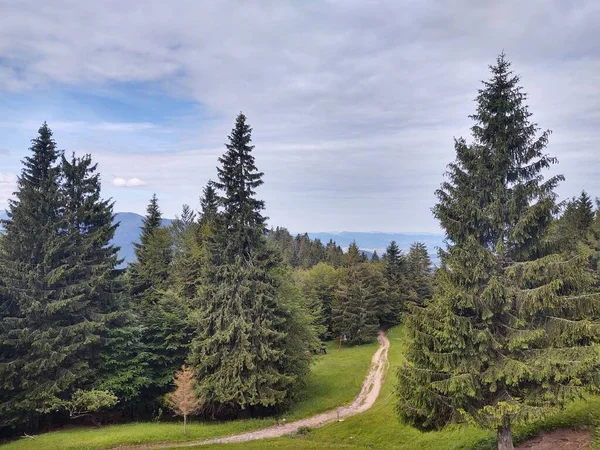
pixel 335 379
pixel 379 428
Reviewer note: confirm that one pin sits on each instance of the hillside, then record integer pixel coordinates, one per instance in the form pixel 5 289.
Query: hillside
pixel 129 229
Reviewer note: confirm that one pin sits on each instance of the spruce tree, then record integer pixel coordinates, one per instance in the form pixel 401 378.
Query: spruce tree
pixel 376 290
pixel 375 257
pixel 575 224
pixel 394 263
pixel 166 338
pixel 210 233
pixel 319 285
pixel 585 212
pixel 29 252
pixel 150 272
pixel 91 257
pixel 209 202
pixel 282 242
pixel 238 180
pixel 354 309
pixel 57 270
pixel 161 310
pixel 186 264
pixel 334 254
pixel 124 368
pixel 509 333
pixel 307 252
pixel 394 270
pixel 419 274
pixel 239 351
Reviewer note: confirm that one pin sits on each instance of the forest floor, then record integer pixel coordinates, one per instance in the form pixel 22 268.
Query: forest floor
pixel 561 439
pixel 365 399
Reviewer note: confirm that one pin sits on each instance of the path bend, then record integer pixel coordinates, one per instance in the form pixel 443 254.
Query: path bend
pixel 363 401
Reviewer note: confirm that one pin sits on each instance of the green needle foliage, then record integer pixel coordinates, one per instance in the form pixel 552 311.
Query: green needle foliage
pixel 576 223
pixel 319 285
pixel 162 311
pixel 394 270
pixel 509 333
pixel 419 278
pixel 186 254
pixel 150 272
pixel 244 354
pixel 355 309
pixel 57 267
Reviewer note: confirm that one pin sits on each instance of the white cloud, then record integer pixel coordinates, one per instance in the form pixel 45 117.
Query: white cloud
pixel 8 185
pixel 354 103
pixel 128 182
pixel 82 126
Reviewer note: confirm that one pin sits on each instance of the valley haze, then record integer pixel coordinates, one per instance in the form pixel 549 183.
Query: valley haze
pixel 129 230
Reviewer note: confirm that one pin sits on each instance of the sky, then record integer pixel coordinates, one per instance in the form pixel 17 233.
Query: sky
pixel 354 104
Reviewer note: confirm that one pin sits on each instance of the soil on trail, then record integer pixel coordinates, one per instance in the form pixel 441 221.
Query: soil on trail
pixel 365 399
pixel 561 439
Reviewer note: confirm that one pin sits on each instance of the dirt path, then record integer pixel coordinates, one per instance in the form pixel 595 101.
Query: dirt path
pixel 561 439
pixel 365 399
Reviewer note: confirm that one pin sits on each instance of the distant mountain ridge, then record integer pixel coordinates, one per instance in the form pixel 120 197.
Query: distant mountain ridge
pixel 130 223
pixel 128 232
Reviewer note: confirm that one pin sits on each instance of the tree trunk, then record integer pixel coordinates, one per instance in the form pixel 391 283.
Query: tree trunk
pixel 505 437
pixel 185 423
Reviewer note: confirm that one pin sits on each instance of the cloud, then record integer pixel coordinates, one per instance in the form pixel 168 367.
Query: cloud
pixel 354 103
pixel 128 182
pixel 83 126
pixel 8 185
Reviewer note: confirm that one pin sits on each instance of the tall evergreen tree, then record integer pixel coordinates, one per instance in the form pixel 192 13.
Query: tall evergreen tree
pixel 394 263
pixel 575 224
pixel 376 289
pixel 419 274
pixel 91 257
pixel 124 362
pixel 186 264
pixel 162 312
pixel 283 242
pixel 394 267
pixel 354 309
pixel 334 254
pixel 375 257
pixel 209 203
pixel 319 285
pixel 238 180
pixel 28 253
pixel 210 233
pixel 239 352
pixel 57 270
pixel 509 333
pixel 353 256
pixel 181 228
pixel 585 211
pixel 150 272
pixel 166 339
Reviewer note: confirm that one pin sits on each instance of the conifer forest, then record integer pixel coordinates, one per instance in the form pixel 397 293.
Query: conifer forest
pixel 222 314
